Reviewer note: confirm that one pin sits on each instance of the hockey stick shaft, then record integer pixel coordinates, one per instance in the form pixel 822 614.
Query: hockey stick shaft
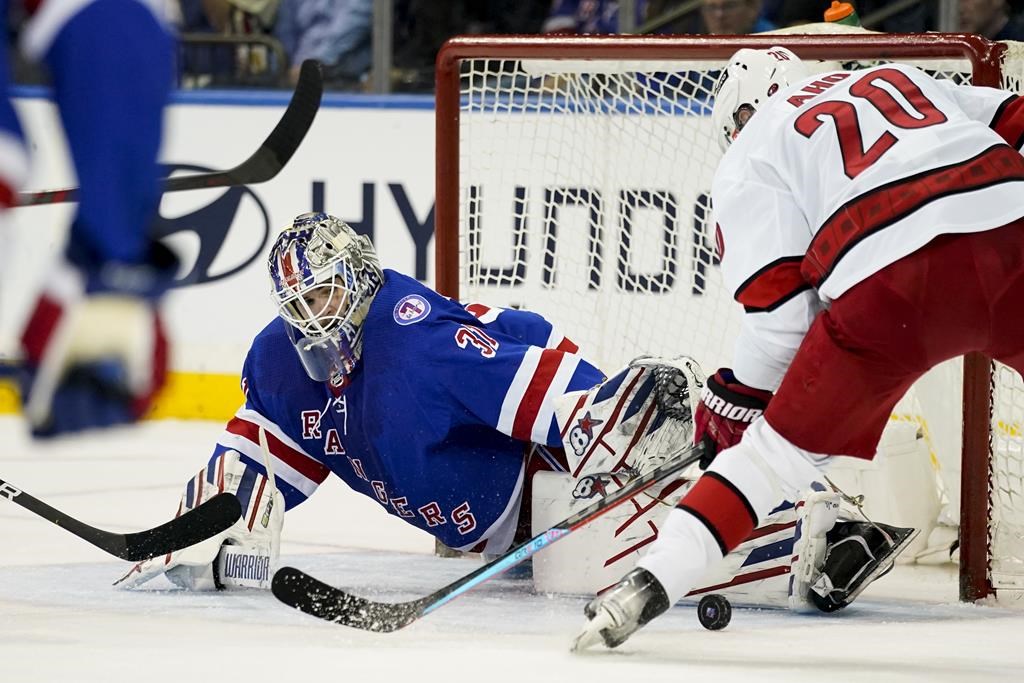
pixel 306 593
pixel 198 524
pixel 265 162
pixel 585 516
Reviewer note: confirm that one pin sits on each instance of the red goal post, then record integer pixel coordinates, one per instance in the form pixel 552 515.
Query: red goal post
pixel 510 109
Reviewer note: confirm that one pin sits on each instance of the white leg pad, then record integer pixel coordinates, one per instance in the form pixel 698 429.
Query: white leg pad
pixel 766 469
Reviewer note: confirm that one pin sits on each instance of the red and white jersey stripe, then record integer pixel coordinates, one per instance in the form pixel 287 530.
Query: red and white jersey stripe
pixel 528 408
pixel 290 462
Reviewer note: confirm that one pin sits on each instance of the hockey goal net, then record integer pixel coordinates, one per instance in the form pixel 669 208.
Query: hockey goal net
pixel 573 176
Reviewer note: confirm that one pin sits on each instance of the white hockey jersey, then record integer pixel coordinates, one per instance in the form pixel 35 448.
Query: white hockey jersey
pixel 840 175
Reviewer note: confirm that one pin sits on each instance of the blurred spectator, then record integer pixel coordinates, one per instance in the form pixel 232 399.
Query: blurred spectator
pixel 721 17
pixel 990 18
pixel 716 17
pixel 588 16
pixel 422 26
pixel 204 62
pixel 336 32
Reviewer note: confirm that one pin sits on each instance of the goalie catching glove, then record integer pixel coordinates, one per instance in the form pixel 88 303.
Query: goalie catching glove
pixel 243 556
pixel 727 407
pixel 634 420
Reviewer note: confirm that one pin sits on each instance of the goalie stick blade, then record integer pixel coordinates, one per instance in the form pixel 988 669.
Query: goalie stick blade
pixel 265 163
pixel 198 524
pixel 316 598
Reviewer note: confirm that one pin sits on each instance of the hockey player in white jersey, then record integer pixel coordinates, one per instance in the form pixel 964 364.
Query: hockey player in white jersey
pixel 869 223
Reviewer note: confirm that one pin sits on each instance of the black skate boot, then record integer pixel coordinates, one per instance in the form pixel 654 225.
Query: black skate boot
pixel 621 611
pixel 857 554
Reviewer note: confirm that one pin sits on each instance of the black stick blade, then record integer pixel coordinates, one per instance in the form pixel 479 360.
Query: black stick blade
pixel 198 524
pixel 303 592
pixel 265 163
pixel 268 160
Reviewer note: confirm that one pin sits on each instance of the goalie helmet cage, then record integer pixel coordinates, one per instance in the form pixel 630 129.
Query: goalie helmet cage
pixel 611 135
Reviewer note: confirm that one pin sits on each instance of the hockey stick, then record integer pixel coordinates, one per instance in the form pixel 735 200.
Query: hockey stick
pixel 265 162
pixel 301 591
pixel 198 524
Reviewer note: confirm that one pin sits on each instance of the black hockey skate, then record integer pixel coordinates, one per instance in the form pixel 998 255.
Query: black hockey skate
pixel 857 554
pixel 617 614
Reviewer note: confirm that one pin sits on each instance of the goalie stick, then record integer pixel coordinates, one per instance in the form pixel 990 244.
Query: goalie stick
pixel 265 162
pixel 301 591
pixel 198 524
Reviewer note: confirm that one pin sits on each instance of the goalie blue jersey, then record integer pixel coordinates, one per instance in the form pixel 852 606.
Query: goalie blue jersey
pixel 434 423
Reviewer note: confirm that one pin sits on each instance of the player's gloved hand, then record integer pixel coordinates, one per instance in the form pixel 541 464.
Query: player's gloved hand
pixel 633 420
pixel 727 407
pixel 244 555
pixel 94 348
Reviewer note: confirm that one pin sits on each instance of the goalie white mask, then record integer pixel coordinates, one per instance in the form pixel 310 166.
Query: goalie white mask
pixel 749 79
pixel 325 277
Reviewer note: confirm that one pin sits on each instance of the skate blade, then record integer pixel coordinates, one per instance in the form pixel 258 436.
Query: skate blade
pixel 591 633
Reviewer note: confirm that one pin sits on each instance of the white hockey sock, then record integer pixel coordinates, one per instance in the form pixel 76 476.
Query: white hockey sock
pixel 743 484
pixel 682 555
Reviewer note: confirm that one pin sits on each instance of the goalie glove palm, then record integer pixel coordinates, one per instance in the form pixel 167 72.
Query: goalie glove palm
pixel 727 407
pixel 245 554
pixel 633 420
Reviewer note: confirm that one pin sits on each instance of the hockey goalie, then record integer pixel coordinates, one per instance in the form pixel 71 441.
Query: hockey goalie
pixel 448 415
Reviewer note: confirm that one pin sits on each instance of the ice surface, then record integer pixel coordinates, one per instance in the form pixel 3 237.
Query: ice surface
pixel 60 619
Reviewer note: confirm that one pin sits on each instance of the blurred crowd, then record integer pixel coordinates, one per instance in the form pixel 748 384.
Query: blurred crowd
pixel 262 42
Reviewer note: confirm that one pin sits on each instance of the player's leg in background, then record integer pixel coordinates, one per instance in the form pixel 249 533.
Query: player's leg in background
pixel 111 63
pixel 112 66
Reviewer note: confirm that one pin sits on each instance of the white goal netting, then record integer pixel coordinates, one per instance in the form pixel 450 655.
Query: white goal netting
pixel 584 195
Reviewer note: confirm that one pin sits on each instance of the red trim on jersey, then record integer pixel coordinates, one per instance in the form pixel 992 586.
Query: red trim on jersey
pixel 567 346
pixel 772 285
pixel 722 508
pixel 297 460
pixel 536 391
pixel 876 210
pixel 1009 121
pixel 478 310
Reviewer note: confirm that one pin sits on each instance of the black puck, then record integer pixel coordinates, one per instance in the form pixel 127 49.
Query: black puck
pixel 714 612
